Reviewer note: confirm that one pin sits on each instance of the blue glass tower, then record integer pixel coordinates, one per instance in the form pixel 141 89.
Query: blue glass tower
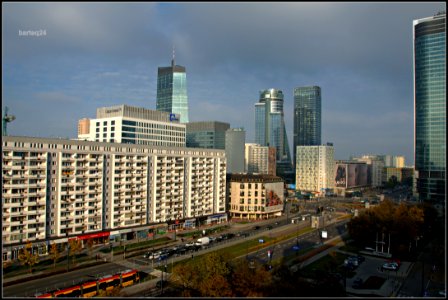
pixel 307 117
pixel 270 128
pixel 172 90
pixel 430 107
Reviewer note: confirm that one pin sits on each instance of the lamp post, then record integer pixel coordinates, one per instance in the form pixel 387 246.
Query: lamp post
pixel 68 258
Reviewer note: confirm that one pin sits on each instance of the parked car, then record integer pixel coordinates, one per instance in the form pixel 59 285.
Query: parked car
pixel 256 227
pixel 147 254
pixel 390 266
pixel 269 227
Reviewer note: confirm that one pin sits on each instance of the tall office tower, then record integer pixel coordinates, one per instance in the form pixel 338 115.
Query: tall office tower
pixel 235 140
pixel 430 107
pixel 172 90
pixel 307 117
pixel 315 168
pixel 207 134
pixel 270 128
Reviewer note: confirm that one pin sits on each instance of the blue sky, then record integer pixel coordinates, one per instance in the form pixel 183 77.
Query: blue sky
pixel 103 54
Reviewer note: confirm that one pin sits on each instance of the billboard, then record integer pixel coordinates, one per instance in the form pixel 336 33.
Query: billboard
pixel 341 175
pixel 274 197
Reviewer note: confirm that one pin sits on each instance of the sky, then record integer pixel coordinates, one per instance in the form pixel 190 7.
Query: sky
pixel 92 55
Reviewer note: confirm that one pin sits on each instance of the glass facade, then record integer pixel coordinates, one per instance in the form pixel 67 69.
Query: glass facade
pixel 207 134
pixel 430 107
pixel 307 117
pixel 270 127
pixel 172 91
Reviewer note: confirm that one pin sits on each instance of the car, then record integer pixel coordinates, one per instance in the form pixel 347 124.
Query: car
pixel 154 255
pixel 161 283
pixel 256 227
pixel 147 254
pixel 229 235
pixel 181 250
pixel 269 227
pixel 390 266
pixel 357 283
pixel 276 223
pixel 360 258
pixel 212 239
pixel 190 244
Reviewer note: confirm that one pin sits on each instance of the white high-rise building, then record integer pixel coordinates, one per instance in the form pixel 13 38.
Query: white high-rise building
pixel 315 168
pixel 134 125
pixel 59 189
pixel 259 159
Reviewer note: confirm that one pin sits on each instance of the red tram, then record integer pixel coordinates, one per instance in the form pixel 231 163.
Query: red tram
pixel 91 288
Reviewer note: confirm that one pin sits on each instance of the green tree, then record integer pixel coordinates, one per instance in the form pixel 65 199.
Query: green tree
pixel 26 256
pixel 54 254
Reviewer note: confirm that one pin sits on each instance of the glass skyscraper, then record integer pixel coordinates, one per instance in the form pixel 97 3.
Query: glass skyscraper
pixel 172 90
pixel 270 128
pixel 430 107
pixel 307 117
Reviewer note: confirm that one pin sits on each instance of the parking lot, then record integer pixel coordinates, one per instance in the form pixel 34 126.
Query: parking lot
pixel 371 267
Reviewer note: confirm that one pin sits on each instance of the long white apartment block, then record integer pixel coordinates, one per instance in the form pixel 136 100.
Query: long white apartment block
pixel 315 168
pixel 133 125
pixel 55 188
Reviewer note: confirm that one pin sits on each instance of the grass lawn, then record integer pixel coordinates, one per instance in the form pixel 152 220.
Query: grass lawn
pixel 144 244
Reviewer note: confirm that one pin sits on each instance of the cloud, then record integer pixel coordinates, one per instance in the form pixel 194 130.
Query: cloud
pixel 56 98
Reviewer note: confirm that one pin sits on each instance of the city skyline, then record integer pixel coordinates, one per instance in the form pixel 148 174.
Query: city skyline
pixel 84 59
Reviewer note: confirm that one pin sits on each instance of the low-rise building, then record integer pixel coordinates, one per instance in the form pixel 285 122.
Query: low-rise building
pixel 133 125
pixel 253 196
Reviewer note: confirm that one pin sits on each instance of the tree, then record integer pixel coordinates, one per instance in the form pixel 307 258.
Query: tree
pixel 90 246
pixel 75 247
pixel 26 256
pixel 252 281
pixel 54 254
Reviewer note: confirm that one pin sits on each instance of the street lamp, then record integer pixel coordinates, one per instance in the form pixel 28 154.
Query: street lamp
pixel 68 258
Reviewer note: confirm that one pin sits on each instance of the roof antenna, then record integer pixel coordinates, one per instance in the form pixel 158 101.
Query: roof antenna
pixel 172 60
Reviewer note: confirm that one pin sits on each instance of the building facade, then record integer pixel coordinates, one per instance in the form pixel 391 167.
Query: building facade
pixel 255 196
pixel 350 176
pixel 270 128
pixel 401 174
pixel 207 134
pixel 307 117
pixel 172 91
pixel 134 125
pixel 315 168
pixel 56 189
pixel 259 159
pixel 375 169
pixel 235 140
pixel 429 37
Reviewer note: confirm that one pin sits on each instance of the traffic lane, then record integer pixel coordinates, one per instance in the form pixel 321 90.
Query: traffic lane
pixel 308 240
pixel 30 288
